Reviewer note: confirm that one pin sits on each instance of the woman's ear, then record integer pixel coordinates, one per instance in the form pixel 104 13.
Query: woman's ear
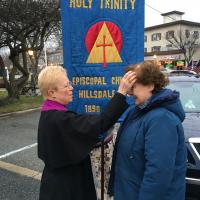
pixel 51 93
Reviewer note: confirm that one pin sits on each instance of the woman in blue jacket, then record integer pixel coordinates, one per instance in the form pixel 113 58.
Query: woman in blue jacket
pixel 149 160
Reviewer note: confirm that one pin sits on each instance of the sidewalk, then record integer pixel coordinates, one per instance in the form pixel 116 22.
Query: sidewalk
pixel 2 89
pixel 18 112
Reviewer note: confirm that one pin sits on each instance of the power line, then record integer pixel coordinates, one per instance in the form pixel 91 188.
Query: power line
pixel 159 11
pixel 153 8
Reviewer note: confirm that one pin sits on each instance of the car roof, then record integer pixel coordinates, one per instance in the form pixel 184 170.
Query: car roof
pixel 182 72
pixel 182 78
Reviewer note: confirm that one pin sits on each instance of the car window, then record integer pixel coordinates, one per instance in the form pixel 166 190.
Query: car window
pixel 189 94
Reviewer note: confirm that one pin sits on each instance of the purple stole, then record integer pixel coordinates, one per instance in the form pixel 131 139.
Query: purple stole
pixel 52 105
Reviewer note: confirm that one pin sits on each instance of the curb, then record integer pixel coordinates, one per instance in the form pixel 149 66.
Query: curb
pixel 19 112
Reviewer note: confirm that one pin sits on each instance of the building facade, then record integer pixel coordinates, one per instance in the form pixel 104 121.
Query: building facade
pixel 158 47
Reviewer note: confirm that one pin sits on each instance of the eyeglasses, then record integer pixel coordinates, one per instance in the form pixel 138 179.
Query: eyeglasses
pixel 67 85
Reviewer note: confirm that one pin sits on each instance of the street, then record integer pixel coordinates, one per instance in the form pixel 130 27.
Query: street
pixel 20 169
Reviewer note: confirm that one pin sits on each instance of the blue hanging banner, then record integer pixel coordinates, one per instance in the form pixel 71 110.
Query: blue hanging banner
pixel 100 38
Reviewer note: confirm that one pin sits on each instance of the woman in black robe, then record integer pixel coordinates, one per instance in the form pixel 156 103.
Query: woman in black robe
pixel 65 138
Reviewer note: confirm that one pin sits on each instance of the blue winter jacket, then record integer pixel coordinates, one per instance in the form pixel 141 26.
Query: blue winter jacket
pixel 149 160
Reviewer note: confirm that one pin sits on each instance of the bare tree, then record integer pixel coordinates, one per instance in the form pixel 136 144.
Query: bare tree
pixel 25 25
pixel 188 42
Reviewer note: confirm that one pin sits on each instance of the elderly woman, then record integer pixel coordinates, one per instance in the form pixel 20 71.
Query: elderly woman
pixel 149 160
pixel 65 138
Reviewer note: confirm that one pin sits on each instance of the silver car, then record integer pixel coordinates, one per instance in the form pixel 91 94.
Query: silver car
pixel 189 87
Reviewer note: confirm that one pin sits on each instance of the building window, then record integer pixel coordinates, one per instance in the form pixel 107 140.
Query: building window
pixel 155 48
pixel 145 49
pixel 187 33
pixel 169 34
pixel 196 34
pixel 169 45
pixel 145 38
pixel 156 37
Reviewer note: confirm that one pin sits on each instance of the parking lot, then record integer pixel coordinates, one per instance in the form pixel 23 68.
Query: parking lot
pixel 20 169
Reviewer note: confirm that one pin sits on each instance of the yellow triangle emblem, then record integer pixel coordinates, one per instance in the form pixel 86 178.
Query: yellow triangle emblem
pixel 104 49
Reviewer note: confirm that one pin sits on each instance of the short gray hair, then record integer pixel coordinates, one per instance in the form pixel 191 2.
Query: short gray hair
pixel 48 78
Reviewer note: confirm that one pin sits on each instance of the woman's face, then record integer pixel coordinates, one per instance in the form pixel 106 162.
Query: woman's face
pixel 141 92
pixel 63 92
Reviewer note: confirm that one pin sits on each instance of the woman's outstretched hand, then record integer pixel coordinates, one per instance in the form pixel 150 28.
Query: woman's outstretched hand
pixel 127 82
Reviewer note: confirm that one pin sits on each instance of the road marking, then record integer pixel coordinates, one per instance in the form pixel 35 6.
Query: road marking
pixel 17 169
pixel 20 170
pixel 18 150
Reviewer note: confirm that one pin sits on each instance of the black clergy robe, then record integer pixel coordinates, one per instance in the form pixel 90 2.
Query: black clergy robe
pixel 65 140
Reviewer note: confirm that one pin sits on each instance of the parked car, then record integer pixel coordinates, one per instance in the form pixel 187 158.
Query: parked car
pixel 182 72
pixel 189 87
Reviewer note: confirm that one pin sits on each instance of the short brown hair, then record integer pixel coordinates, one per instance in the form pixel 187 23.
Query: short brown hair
pixel 147 73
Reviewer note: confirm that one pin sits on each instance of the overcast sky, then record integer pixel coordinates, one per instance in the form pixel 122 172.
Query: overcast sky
pixel 191 9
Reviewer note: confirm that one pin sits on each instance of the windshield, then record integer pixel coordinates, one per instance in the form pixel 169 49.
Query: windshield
pixel 189 94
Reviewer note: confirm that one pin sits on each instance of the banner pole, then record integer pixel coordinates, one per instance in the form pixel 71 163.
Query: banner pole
pixel 102 170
